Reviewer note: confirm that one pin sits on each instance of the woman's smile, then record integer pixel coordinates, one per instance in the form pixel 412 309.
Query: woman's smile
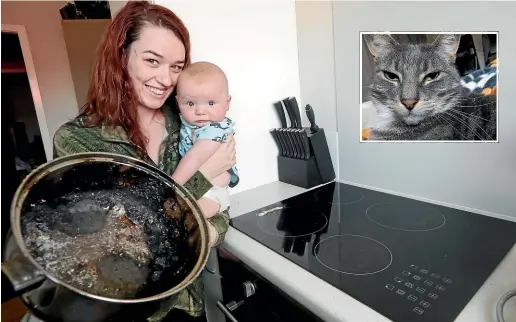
pixel 159 92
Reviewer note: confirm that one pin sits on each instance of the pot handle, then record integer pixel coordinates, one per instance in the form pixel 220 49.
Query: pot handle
pixel 22 274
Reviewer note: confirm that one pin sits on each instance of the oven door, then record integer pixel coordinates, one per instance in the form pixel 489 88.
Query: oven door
pixel 250 298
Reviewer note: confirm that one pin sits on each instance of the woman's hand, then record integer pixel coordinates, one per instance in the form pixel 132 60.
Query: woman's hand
pixel 213 234
pixel 223 159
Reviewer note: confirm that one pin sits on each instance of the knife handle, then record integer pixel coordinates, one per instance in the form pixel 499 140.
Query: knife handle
pixel 311 117
pixel 290 112
pixel 293 143
pixel 283 142
pixel 281 113
pixel 287 141
pixel 306 144
pixel 295 109
pixel 277 140
pixel 299 143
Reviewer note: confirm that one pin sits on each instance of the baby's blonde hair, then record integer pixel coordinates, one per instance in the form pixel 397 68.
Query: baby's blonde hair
pixel 202 71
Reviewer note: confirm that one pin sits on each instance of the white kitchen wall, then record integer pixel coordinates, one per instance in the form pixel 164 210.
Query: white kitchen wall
pixel 42 22
pixel 255 43
pixel 115 6
pixel 473 175
pixel 317 68
pixel 82 38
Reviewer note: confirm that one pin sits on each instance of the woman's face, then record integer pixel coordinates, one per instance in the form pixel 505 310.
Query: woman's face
pixel 154 63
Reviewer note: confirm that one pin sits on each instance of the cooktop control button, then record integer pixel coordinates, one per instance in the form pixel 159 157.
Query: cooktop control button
pixel 419 310
pixel 406 273
pixel 398 280
pixel 413 266
pixel 409 285
pixel 412 298
pixel 420 290
pixel 249 288
pixel 400 292
pixel 447 280
pixel 429 283
pixel 440 288
pixel 416 277
pixel 434 275
pixel 433 296
pixel 424 304
pixel 424 271
pixel 389 286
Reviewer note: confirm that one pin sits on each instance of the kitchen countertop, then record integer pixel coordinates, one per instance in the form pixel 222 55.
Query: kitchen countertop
pixel 328 302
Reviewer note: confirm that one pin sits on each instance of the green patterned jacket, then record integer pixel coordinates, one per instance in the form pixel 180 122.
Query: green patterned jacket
pixel 75 137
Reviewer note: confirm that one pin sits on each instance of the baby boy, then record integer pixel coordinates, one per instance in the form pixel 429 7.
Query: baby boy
pixel 203 99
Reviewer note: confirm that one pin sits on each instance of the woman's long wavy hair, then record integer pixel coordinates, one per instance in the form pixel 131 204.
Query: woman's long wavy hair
pixel 112 99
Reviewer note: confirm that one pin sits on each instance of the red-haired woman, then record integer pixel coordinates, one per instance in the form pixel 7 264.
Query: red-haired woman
pixel 138 61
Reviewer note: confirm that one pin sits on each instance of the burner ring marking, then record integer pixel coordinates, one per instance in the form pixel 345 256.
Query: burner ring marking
pixel 340 203
pixel 348 273
pixel 402 229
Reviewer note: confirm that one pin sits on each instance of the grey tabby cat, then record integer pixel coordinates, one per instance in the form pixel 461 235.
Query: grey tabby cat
pixel 417 93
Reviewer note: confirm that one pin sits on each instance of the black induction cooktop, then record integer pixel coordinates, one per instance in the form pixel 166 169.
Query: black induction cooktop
pixel 406 259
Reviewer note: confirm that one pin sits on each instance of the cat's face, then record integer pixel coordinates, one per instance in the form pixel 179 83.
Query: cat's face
pixel 413 82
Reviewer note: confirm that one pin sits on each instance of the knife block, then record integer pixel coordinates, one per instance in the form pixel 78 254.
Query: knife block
pixel 301 173
pixel 318 169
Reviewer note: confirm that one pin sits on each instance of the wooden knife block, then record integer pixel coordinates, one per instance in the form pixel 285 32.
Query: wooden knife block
pixel 318 169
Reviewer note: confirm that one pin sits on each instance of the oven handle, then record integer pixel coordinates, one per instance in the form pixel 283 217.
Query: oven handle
pixel 226 311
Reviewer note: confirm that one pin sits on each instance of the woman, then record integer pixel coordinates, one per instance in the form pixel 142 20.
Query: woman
pixel 138 61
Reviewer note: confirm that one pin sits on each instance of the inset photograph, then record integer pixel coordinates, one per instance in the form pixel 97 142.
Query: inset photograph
pixel 429 86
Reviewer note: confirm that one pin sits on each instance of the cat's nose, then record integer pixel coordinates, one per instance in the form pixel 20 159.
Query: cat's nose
pixel 409 104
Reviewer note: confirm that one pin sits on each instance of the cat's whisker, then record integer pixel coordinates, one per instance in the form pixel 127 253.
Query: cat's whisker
pixel 463 122
pixel 478 97
pixel 439 118
pixel 444 117
pixel 469 127
pixel 468 114
pixel 476 105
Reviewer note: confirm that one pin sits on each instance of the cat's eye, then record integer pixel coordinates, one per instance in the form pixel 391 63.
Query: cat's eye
pixel 431 76
pixel 390 76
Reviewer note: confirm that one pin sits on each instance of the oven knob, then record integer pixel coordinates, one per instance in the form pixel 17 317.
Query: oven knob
pixel 249 288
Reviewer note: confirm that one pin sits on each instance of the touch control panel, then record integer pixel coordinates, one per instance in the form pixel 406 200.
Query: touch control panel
pixel 419 286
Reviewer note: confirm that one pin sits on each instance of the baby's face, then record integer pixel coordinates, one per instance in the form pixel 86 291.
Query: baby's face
pixel 202 102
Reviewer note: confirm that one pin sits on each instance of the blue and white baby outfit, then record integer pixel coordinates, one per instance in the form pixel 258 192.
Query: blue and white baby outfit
pixel 216 131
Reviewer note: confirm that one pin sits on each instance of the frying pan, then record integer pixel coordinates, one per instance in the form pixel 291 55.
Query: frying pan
pixel 105 230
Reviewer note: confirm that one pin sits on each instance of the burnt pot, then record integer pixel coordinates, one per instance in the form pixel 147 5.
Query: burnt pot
pixel 103 237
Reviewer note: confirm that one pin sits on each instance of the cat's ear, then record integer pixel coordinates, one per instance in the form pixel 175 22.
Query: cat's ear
pixel 447 44
pixel 379 44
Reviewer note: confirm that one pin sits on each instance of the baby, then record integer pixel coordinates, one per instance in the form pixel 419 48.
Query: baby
pixel 203 100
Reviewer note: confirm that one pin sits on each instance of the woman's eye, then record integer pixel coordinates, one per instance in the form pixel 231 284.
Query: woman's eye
pixel 152 61
pixel 177 68
pixel 211 103
pixel 431 76
pixel 390 76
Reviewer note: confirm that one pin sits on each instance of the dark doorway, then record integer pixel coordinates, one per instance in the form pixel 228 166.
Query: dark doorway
pixel 22 146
